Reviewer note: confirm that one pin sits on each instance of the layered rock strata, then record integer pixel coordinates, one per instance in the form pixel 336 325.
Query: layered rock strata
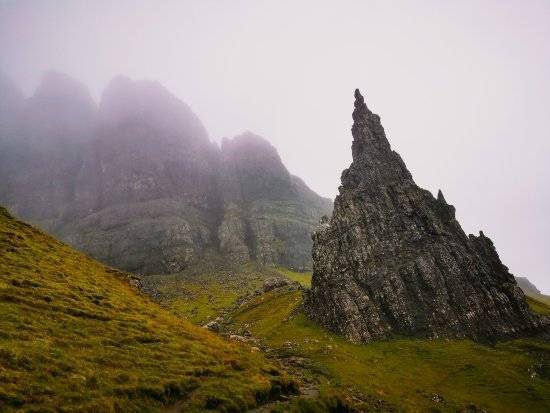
pixel 393 259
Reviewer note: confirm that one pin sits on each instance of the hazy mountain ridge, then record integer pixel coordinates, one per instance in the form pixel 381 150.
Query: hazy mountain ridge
pixel 137 183
pixel 527 286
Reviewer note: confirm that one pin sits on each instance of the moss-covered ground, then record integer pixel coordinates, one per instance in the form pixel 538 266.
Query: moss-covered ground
pixel 209 289
pixel 406 374
pixel 539 303
pixel 304 278
pixel 76 336
pixel 400 374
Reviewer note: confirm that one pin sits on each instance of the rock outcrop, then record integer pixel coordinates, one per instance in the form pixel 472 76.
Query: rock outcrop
pixel 145 195
pixel 393 260
pixel 269 213
pixel 138 184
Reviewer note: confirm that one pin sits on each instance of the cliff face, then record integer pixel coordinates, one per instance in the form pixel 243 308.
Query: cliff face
pixel 146 188
pixel 268 213
pixel 43 152
pixel 11 103
pixel 137 183
pixel 394 260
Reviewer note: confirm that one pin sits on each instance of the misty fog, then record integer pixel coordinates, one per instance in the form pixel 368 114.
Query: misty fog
pixel 462 88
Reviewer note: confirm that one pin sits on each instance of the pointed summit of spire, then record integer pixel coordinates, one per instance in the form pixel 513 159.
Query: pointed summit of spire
pixel 359 100
pixel 361 113
pixel 440 196
pixel 367 130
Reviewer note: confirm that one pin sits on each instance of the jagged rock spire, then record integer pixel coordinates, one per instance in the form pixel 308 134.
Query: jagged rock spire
pixel 394 260
pixel 371 151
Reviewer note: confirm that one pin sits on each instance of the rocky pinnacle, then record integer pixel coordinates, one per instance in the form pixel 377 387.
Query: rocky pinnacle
pixel 393 260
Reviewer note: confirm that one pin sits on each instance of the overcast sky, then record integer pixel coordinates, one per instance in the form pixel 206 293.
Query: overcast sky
pixel 463 87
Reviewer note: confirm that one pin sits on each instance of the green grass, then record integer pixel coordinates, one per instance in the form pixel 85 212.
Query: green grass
pixel 409 374
pixel 539 303
pixel 207 290
pixel 76 336
pixel 304 278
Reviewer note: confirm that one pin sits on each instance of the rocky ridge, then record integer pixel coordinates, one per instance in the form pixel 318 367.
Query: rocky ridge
pixel 137 183
pixel 393 260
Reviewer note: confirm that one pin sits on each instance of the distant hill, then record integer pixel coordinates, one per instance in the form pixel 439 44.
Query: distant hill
pixel 527 286
pixel 537 301
pixel 136 182
pixel 77 336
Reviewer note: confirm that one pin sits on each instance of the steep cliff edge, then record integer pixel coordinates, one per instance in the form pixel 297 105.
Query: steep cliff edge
pixel 393 260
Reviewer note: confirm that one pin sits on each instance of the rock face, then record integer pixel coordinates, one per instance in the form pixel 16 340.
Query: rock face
pixel 11 103
pixel 145 193
pixel 393 260
pixel 137 183
pixel 269 214
pixel 43 151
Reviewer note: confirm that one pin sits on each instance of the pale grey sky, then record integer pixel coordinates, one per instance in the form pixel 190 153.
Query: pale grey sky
pixel 463 87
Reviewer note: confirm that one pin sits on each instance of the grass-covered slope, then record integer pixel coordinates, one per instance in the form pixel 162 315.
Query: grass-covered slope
pixel 404 374
pixel 401 374
pixel 203 292
pixel 539 303
pixel 77 336
pixel 212 288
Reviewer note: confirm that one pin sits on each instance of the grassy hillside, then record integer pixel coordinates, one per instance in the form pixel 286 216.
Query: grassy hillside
pixel 213 288
pixel 204 291
pixel 404 374
pixel 76 336
pixel 304 278
pixel 539 303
